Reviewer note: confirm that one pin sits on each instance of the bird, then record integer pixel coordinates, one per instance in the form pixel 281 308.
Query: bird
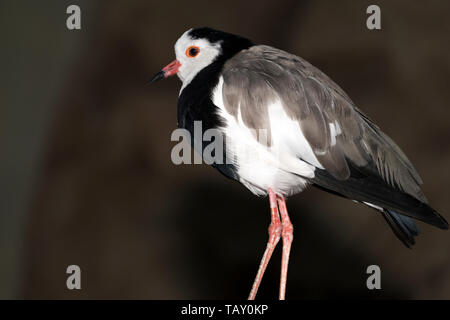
pixel 286 126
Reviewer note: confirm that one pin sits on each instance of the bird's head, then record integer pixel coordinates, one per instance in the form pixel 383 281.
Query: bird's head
pixel 198 48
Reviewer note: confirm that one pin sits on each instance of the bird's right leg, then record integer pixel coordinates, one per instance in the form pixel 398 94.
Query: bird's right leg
pixel 274 237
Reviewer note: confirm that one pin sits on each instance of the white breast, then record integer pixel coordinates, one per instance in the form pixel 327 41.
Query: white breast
pixel 260 167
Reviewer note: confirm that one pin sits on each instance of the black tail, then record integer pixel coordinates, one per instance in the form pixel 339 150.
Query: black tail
pixel 373 190
pixel 404 227
pixel 396 206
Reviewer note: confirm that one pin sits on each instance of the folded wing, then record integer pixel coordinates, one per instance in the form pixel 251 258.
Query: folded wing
pixel 356 159
pixel 335 129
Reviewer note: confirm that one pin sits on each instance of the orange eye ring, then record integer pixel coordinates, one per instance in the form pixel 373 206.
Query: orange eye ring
pixel 192 51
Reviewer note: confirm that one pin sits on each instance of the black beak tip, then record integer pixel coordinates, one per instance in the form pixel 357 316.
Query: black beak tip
pixel 157 77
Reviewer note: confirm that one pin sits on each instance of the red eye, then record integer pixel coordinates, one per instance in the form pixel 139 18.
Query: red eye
pixel 192 51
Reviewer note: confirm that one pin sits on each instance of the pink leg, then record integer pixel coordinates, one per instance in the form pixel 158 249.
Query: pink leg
pixel 287 234
pixel 274 237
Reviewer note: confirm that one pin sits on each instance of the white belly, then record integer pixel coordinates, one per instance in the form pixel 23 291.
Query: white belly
pixel 259 166
pixel 258 176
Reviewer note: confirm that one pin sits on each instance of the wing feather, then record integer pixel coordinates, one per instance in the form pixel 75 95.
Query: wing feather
pixel 262 73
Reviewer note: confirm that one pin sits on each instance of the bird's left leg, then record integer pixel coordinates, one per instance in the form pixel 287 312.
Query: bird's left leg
pixel 287 234
pixel 274 237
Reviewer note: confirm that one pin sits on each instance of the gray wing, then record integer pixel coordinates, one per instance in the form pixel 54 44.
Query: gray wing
pixel 339 134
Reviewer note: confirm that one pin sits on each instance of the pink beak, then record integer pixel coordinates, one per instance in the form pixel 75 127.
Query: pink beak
pixel 169 70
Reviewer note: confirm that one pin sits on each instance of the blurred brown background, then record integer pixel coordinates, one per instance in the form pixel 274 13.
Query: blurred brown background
pixel 86 176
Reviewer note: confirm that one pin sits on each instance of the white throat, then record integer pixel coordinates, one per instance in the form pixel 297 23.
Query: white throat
pixel 190 67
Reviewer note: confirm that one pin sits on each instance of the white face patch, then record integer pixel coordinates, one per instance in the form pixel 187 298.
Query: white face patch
pixel 191 66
